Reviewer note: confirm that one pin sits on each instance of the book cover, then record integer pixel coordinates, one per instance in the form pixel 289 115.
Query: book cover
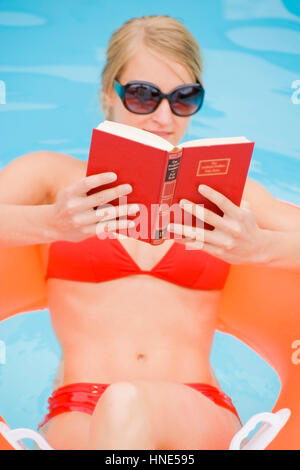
pixel 162 175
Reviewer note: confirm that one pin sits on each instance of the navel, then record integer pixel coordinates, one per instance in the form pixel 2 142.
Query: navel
pixel 141 357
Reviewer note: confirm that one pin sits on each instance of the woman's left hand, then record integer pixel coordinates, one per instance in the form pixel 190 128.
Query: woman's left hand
pixel 236 238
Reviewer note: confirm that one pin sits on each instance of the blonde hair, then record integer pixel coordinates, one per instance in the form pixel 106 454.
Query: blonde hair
pixel 160 33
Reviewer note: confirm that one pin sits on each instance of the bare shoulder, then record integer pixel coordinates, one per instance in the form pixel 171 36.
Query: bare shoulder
pixel 35 178
pixel 255 193
pixel 64 171
pixel 270 212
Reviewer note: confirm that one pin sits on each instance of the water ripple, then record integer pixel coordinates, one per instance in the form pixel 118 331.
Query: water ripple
pixel 18 18
pixel 241 87
pixel 266 39
pixel 248 9
pixel 76 73
pixel 22 106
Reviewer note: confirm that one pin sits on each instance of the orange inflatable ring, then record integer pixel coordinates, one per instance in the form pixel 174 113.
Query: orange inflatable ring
pixel 4 444
pixel 259 306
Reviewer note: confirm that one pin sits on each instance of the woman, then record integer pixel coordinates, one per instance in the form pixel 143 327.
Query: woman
pixel 136 371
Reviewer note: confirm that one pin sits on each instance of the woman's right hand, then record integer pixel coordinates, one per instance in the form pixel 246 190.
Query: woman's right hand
pixel 74 218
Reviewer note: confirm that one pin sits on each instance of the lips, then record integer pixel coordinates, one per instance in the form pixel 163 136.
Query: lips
pixel 164 135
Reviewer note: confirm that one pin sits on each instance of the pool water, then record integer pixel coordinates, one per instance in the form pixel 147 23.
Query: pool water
pixel 51 56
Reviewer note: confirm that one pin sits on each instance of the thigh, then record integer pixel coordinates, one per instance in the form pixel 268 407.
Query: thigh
pixel 179 417
pixel 183 418
pixel 68 431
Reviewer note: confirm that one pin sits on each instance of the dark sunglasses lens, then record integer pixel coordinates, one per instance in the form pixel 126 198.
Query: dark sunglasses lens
pixel 187 100
pixel 141 99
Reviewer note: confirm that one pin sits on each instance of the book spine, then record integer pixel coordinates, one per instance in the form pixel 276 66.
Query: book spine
pixel 166 198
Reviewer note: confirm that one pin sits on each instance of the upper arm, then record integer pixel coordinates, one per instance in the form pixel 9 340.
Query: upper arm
pixel 270 213
pixel 35 178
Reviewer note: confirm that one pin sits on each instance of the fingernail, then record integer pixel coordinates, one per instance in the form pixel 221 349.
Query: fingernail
pixel 111 176
pixel 202 188
pixel 183 201
pixel 101 213
pixel 127 187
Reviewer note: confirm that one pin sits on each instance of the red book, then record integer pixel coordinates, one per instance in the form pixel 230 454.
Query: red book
pixel 161 174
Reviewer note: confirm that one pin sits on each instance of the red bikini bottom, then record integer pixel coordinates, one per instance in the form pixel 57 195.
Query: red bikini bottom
pixel 84 397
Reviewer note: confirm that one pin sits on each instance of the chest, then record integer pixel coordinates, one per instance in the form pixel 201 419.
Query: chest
pixel 143 254
pixel 146 256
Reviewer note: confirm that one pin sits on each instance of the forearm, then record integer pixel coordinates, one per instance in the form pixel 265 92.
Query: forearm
pixel 26 225
pixel 282 249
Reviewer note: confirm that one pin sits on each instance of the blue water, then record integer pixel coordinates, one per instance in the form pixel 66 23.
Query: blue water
pixel 51 56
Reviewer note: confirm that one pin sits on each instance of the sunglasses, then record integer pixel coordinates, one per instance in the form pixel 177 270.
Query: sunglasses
pixel 144 97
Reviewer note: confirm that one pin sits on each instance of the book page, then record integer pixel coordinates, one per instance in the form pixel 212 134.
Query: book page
pixel 138 135
pixel 214 141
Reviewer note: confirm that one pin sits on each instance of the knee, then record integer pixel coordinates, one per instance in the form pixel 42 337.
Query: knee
pixel 121 418
pixel 121 392
pixel 118 402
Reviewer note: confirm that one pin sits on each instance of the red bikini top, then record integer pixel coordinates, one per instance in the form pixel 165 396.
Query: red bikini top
pixel 96 260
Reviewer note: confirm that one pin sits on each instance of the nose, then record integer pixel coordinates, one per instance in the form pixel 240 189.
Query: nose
pixel 163 114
